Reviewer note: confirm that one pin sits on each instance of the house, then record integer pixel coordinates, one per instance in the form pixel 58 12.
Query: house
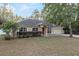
pixel 30 27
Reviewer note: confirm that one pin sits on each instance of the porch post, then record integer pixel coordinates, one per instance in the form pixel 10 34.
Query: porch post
pixel 46 31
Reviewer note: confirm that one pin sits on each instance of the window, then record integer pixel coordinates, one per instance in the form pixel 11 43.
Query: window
pixel 35 29
pixel 23 29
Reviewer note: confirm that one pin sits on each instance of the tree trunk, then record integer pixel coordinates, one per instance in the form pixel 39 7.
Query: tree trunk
pixel 70 30
pixel 7 37
pixel 13 34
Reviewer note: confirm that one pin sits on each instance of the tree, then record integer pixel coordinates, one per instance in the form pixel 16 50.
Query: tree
pixel 37 14
pixel 6 13
pixel 61 14
pixel 2 11
pixel 7 27
pixel 8 20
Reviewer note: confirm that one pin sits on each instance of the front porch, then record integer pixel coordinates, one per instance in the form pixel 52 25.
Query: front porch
pixel 28 32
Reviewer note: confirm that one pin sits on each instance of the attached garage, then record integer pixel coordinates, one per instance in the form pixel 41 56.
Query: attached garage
pixel 57 30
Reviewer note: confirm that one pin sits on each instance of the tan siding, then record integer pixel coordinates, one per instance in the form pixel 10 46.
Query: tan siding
pixel 29 29
pixel 39 29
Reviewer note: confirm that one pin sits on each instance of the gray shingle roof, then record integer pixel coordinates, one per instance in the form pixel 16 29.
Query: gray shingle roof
pixel 31 22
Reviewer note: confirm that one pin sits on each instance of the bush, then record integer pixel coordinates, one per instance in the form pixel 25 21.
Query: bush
pixel 66 30
pixel 7 37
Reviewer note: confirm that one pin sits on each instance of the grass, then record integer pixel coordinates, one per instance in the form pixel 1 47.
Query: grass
pixel 40 46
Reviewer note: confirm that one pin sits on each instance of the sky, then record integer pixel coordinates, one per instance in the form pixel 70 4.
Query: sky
pixel 25 9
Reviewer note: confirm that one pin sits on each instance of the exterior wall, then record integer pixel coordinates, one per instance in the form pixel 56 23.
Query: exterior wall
pixel 40 29
pixel 57 30
pixel 29 29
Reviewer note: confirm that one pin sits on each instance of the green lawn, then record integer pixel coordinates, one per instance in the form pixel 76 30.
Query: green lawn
pixel 41 46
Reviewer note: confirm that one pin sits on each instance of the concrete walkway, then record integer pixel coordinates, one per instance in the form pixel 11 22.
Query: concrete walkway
pixel 65 35
pixel 69 35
